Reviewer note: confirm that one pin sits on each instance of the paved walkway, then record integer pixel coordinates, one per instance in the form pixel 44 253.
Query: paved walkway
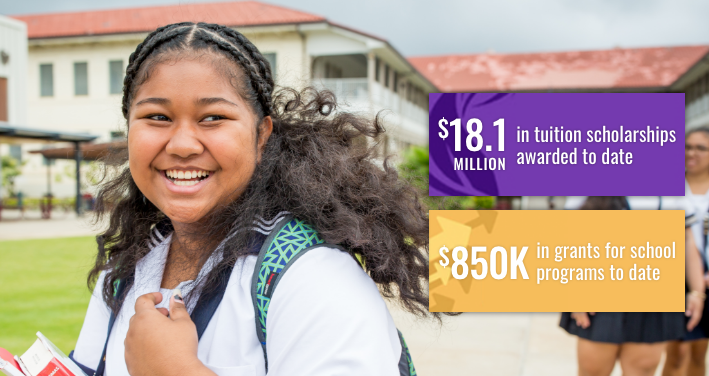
pixel 496 344
pixel 500 344
pixel 61 224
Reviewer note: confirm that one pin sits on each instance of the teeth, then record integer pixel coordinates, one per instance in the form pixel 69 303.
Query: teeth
pixel 186 182
pixel 183 178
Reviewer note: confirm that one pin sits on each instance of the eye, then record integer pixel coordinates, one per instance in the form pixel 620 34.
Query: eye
pixel 213 118
pixel 158 117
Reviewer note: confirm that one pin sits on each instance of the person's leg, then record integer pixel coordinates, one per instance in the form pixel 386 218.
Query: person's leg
pixel 677 360
pixel 596 358
pixel 697 366
pixel 640 359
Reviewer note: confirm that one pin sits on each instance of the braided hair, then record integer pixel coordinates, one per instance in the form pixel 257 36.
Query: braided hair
pixel 313 165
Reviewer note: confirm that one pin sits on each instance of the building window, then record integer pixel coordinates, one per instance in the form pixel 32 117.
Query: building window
pixel 377 69
pixel 16 152
pixel 396 82
pixel 271 58
pixel 115 69
pixel 81 79
pixel 118 136
pixel 46 80
pixel 386 75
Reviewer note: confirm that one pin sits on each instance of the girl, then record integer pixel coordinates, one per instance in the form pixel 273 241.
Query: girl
pixel 687 357
pixel 216 163
pixel 635 339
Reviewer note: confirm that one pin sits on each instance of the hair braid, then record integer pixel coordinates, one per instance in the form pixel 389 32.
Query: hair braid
pixel 152 41
pixel 257 82
pixel 254 55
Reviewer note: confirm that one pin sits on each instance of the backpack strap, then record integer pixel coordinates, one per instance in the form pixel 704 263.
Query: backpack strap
pixel 119 289
pixel 289 240
pixel 406 365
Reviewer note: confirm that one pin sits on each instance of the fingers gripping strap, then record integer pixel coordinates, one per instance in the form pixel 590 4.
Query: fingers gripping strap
pixel 289 239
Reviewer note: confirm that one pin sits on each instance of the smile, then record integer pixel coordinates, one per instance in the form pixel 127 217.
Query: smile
pixel 186 178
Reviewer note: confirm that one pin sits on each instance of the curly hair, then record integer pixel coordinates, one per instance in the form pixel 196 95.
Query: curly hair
pixel 314 165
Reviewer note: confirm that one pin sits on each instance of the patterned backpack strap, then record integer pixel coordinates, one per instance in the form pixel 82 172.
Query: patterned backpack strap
pixel 290 239
pixel 406 365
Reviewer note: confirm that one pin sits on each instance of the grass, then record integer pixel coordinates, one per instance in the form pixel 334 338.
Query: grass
pixel 43 288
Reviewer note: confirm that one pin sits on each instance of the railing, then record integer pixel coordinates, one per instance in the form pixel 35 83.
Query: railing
pixel 345 89
pixel 697 108
pixel 357 90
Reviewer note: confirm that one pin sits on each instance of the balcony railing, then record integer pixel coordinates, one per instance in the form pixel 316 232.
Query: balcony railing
pixel 345 89
pixel 697 108
pixel 353 90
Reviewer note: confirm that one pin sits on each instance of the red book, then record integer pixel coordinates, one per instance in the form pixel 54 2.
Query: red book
pixel 8 365
pixel 43 358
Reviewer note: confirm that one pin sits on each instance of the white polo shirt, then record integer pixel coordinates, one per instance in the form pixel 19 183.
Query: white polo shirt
pixel 701 207
pixel 326 317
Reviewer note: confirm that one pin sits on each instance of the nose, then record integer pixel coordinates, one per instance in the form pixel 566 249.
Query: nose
pixel 184 142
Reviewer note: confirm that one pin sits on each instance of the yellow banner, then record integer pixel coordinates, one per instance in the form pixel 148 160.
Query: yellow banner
pixel 556 261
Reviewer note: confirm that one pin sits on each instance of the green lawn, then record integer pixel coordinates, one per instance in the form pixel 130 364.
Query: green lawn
pixel 43 288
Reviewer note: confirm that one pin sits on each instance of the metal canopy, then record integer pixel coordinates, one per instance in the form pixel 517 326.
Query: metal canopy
pixel 89 152
pixel 12 134
pixel 31 134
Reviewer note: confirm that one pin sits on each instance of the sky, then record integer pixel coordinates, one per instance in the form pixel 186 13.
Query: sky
pixel 438 27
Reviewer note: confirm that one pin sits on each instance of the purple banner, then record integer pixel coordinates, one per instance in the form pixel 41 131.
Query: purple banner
pixel 556 144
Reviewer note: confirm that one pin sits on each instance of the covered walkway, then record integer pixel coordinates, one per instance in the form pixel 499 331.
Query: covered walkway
pixel 19 135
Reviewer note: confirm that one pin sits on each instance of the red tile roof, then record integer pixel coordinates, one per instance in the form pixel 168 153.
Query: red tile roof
pixel 132 20
pixel 617 68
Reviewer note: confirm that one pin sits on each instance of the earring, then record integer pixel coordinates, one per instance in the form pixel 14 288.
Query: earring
pixel 143 199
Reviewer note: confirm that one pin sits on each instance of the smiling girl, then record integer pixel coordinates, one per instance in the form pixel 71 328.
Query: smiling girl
pixel 218 167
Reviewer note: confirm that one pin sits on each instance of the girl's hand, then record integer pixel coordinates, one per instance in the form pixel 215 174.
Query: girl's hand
pixel 695 307
pixel 161 345
pixel 582 319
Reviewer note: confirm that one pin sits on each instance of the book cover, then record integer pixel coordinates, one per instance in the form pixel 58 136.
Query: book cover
pixel 43 358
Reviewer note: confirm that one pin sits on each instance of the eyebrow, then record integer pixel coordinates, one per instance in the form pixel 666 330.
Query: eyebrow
pixel 214 100
pixel 201 101
pixel 163 101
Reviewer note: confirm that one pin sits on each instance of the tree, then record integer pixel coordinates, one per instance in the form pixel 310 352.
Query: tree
pixel 11 169
pixel 414 168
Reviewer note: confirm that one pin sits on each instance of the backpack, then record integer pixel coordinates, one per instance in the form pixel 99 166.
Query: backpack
pixel 290 239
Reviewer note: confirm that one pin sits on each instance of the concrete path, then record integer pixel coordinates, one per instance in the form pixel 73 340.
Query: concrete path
pixel 62 224
pixel 495 344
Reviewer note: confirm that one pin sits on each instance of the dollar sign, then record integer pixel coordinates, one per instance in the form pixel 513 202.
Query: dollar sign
pixel 444 249
pixel 443 135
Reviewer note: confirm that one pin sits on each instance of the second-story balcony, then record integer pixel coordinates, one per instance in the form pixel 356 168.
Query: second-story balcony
pixel 345 89
pixel 363 94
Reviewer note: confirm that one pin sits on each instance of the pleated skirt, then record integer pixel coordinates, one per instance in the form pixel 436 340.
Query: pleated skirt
pixel 621 327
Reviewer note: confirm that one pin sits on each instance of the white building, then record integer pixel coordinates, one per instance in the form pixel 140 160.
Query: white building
pixel 13 71
pixel 13 80
pixel 77 62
